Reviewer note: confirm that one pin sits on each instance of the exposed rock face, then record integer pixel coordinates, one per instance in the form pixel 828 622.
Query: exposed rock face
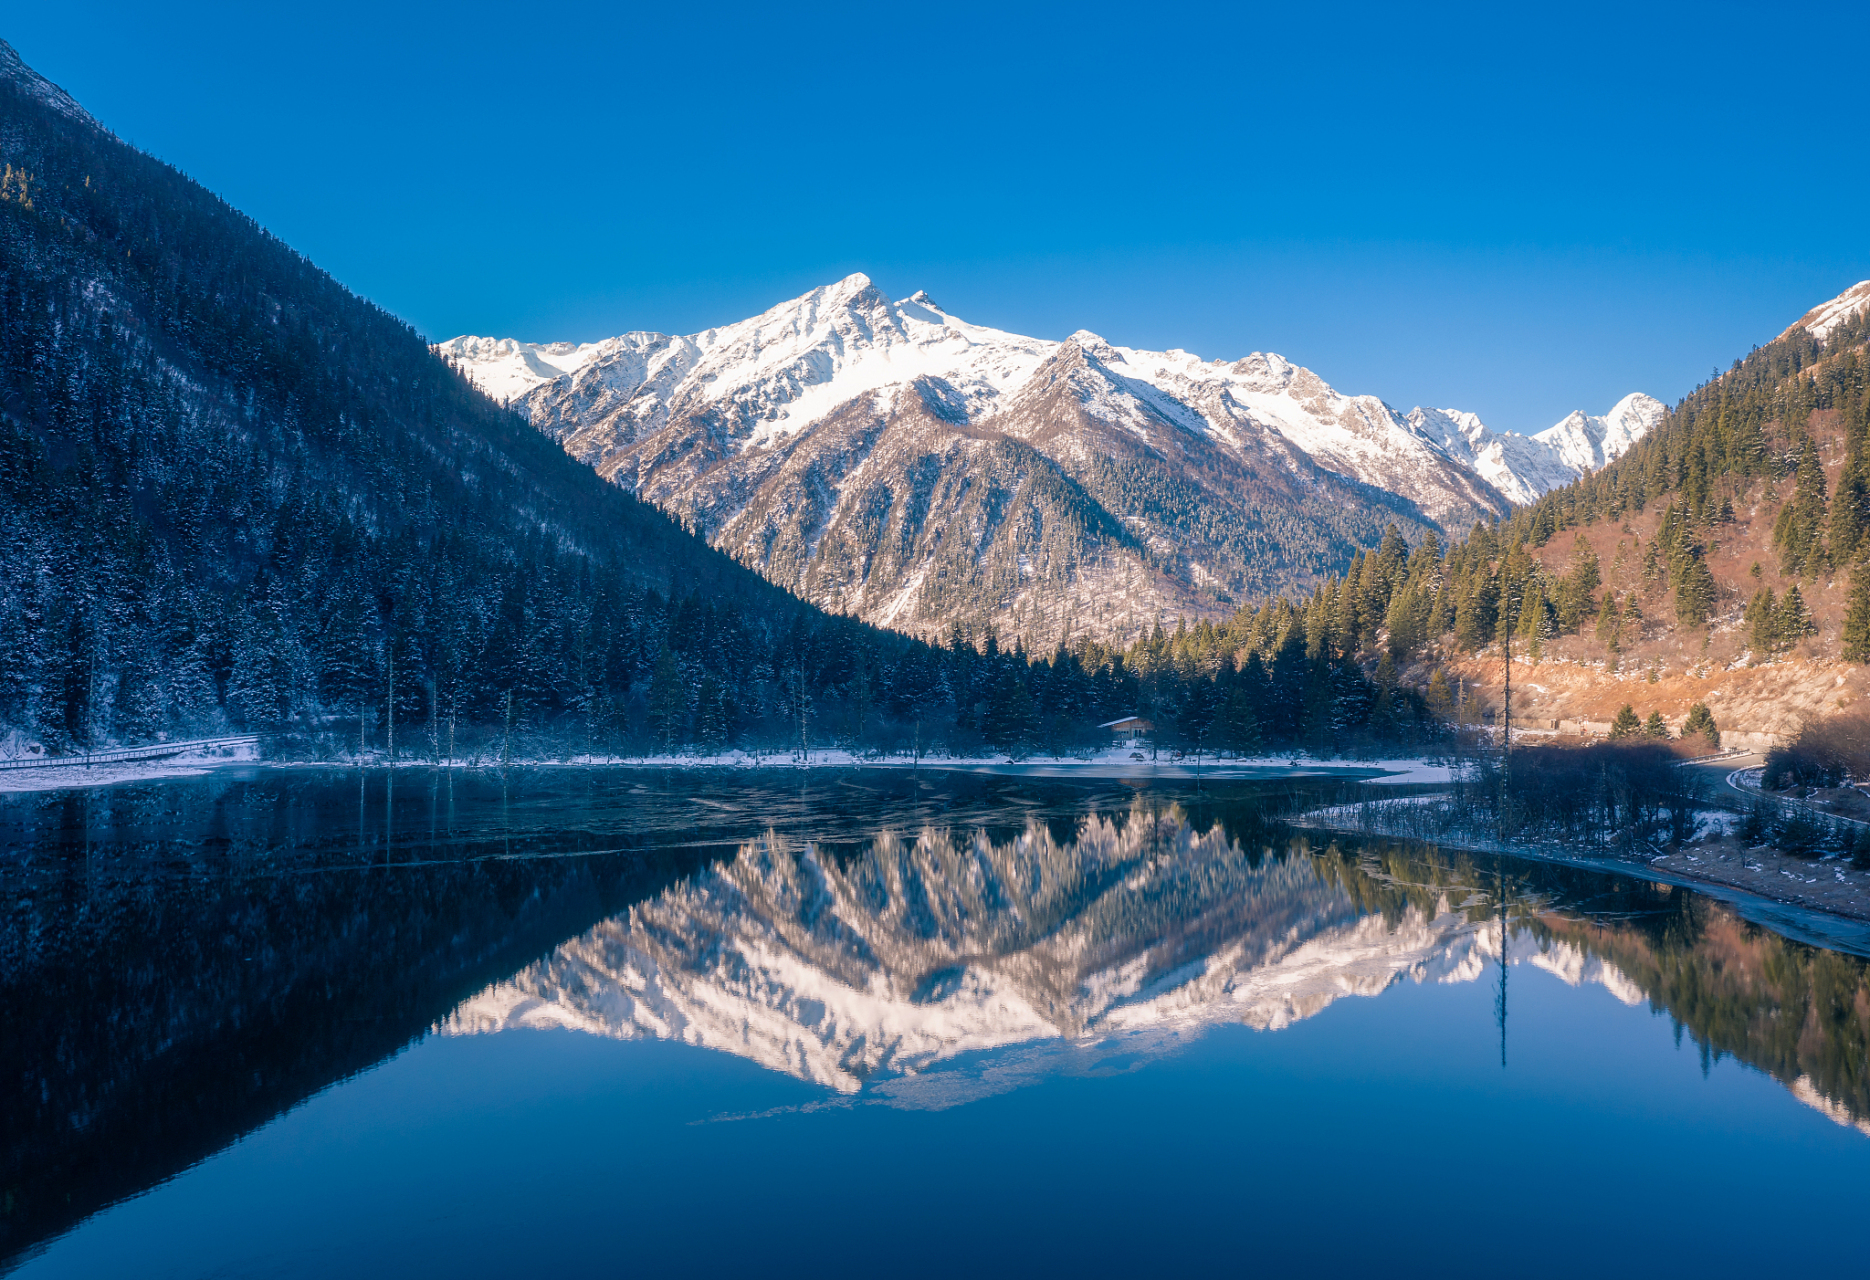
pixel 887 459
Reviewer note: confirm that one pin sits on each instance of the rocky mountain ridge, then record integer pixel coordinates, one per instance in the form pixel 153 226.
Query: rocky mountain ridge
pixel 1524 467
pixel 890 460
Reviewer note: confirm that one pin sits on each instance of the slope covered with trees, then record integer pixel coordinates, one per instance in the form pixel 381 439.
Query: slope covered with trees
pixel 235 495
pixel 1733 537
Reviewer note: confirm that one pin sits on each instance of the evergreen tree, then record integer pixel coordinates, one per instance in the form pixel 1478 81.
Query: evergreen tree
pixel 1241 727
pixel 668 702
pixel 1626 725
pixel 1695 590
pixel 1700 723
pixel 1535 619
pixel 1857 615
pixel 1798 534
pixel 1020 720
pixel 1610 625
pixel 1792 621
pixel 1762 623
pixel 1440 698
pixel 1655 728
pixel 713 715
pixel 1577 590
pixel 1850 505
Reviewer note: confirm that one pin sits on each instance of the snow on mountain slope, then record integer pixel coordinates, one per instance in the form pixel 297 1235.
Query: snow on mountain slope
pixel 1585 443
pixel 778 372
pixel 1524 467
pixel 789 367
pixel 506 369
pixel 1826 316
pixel 889 459
pixel 14 71
pixel 874 971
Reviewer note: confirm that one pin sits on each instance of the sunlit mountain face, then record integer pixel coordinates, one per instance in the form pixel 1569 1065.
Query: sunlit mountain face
pixel 931 968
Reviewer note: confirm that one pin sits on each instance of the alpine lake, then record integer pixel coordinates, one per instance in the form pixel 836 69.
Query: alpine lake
pixel 596 1022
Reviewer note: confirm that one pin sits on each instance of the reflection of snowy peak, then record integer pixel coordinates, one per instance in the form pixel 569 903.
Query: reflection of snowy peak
pixel 856 972
pixel 1523 467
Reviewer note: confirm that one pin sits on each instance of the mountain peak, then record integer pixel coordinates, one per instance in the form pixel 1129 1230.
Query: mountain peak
pixel 1523 467
pixel 14 71
pixel 1826 316
pixel 850 286
pixel 1092 345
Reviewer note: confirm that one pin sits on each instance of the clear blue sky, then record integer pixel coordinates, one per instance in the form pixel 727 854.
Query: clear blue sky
pixel 1514 209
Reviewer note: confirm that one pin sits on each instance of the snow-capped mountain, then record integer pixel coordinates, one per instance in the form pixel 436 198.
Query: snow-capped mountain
pixel 889 459
pixel 1822 319
pixel 1523 467
pixel 874 972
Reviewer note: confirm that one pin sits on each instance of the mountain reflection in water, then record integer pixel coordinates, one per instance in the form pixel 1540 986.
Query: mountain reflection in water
pixel 872 970
pixel 182 962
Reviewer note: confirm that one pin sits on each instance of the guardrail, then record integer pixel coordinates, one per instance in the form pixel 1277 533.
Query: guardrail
pixel 1733 754
pixel 127 755
pixel 1788 804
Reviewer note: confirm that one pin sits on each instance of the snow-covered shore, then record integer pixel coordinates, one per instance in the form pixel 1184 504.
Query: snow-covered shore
pixel 1113 763
pixel 66 777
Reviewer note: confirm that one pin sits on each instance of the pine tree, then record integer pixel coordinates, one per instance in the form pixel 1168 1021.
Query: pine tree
pixel 1700 723
pixel 1535 621
pixel 1610 624
pixel 1850 505
pixel 1762 623
pixel 668 701
pixel 1577 590
pixel 1695 591
pixel 1792 621
pixel 1195 722
pixel 1857 615
pixel 1655 728
pixel 1241 728
pixel 1020 720
pixel 1626 725
pixel 713 715
pixel 1439 698
pixel 1798 534
pixel 1475 611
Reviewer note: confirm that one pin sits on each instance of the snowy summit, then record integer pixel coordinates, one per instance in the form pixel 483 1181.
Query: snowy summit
pixel 888 458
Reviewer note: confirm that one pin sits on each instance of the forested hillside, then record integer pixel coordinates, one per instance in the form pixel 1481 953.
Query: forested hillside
pixel 1723 557
pixel 235 495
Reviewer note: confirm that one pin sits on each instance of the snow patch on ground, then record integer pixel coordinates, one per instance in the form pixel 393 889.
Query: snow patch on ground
pixel 69 777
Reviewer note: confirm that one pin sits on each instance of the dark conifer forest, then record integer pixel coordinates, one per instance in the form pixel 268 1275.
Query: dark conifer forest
pixel 236 496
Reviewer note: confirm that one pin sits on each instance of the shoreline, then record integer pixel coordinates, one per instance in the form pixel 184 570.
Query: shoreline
pixel 1105 766
pixel 1836 917
pixel 1823 902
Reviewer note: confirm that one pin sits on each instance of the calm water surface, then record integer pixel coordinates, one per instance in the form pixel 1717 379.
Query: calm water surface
pixel 622 1023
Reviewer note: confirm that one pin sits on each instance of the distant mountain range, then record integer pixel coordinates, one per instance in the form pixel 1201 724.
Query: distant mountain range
pixel 890 460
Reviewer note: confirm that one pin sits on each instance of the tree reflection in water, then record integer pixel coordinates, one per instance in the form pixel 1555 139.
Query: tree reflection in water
pixel 184 961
